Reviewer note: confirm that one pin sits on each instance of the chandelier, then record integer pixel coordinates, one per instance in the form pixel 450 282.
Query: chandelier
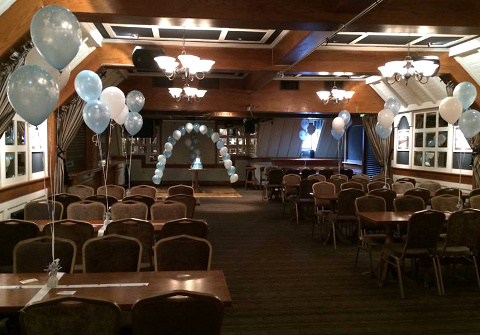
pixel 335 95
pixel 191 66
pixel 187 92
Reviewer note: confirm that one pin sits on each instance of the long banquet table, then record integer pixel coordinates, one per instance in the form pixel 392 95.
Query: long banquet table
pixel 124 288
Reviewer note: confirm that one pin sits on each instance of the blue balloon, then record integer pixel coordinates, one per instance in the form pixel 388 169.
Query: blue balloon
pixel 192 156
pixel 231 170
pixel 133 123
pixel 209 132
pixel 466 93
pixel 220 144
pixel 88 85
pixel 167 154
pixel 394 105
pixel 226 157
pixel 336 135
pixel 303 135
pixel 135 101
pixel 96 116
pixel 171 140
pixel 182 130
pixel 382 132
pixel 196 127
pixel 156 179
pixel 160 166
pixel 345 115
pixel 33 93
pixel 56 34
pixel 469 123
pixel 304 124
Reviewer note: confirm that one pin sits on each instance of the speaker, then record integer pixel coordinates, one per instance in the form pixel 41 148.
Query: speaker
pixel 143 58
pixel 249 126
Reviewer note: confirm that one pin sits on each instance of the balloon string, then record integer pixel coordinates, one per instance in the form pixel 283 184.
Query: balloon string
pixel 98 142
pixel 130 163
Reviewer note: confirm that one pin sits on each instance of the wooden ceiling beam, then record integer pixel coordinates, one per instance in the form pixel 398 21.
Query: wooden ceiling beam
pixel 296 44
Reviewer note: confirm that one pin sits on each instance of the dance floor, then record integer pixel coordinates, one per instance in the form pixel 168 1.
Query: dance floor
pixel 208 192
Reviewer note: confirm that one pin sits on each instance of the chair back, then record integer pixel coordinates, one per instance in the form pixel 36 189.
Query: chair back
pixel 275 177
pixel 168 210
pixel 421 193
pixel 107 200
pixel 449 190
pixel 188 200
pixel 475 201
pixel 375 185
pixel 326 172
pixel 388 195
pixel 369 203
pixel 387 181
pixel 65 199
pixel 400 187
pixel 129 210
pixel 70 315
pixel 146 190
pixel 147 200
pixel 35 254
pixel 11 232
pixel 378 176
pixel 365 177
pixel 139 229
pixel 86 210
pixel 81 191
pixel 424 229
pixel 112 253
pixel 337 182
pixel 180 189
pixel 112 190
pixel 77 231
pixel 291 171
pixel 430 185
pixel 339 176
pixel 464 230
pixel 408 203
pixel 474 192
pixel 322 188
pixel 42 210
pixel 307 173
pixel 183 253
pixel 346 201
pixel 410 180
pixel 317 177
pixel 189 227
pixel 446 203
pixel 352 184
pixel 291 183
pixel 347 172
pixel 306 188
pixel 178 312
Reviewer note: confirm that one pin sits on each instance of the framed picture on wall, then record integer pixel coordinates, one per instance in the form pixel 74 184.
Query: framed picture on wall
pixel 403 143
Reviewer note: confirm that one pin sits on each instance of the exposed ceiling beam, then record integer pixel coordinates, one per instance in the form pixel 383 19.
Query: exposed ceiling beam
pixel 424 90
pixel 255 81
pixel 296 44
pixel 413 93
pixel 395 93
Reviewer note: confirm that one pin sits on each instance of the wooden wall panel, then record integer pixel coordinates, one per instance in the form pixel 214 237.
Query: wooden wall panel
pixel 295 143
pixel 265 130
pixel 289 131
pixel 276 137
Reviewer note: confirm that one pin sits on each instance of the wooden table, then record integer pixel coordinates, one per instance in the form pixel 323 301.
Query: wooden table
pixel 389 220
pixel 210 282
pixel 195 183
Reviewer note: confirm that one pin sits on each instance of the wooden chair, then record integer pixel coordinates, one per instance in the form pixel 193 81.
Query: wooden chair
pixel 35 254
pixel 178 312
pixel 182 253
pixel 129 210
pixel 168 210
pixel 86 210
pixel 112 190
pixel 70 315
pixel 189 201
pixel 112 253
pixel 388 195
pixel 65 199
pixel 11 232
pixel 146 190
pixel 81 191
pixel 42 210
pixel 185 227
pixel 180 189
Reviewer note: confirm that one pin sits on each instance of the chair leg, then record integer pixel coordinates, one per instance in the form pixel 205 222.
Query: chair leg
pixel 296 212
pixel 400 277
pixel 476 270
pixel 334 236
pixel 438 275
pixel 358 252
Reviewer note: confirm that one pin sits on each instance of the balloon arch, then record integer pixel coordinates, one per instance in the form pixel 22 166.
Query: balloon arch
pixel 196 128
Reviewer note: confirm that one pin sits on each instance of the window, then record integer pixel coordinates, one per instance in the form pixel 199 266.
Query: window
pixel 311 141
pixel 149 147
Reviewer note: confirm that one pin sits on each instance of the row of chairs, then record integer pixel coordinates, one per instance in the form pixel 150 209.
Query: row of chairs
pixel 118 192
pixel 125 244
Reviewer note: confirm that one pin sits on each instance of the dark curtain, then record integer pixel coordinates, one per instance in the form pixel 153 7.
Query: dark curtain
pixel 381 148
pixel 475 145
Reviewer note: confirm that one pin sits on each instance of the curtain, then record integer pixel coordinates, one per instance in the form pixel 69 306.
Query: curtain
pixel 69 120
pixel 381 148
pixel 17 59
pixel 475 145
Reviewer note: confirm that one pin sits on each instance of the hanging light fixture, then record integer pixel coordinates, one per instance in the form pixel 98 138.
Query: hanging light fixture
pixel 191 66
pixel 187 92
pixel 335 95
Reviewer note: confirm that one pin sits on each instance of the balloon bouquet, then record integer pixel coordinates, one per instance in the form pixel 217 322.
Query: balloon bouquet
pixel 339 125
pixel 33 89
pixel 187 129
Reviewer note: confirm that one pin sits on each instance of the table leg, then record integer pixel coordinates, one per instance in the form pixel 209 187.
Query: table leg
pixel 196 184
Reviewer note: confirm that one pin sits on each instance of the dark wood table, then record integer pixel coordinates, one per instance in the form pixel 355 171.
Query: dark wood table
pixel 210 282
pixel 389 220
pixel 195 182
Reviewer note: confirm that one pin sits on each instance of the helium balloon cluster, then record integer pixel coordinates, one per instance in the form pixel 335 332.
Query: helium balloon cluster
pixel 33 90
pixel 190 142
pixel 385 117
pixel 339 124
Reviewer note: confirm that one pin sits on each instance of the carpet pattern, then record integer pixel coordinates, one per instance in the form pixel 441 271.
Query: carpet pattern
pixel 283 281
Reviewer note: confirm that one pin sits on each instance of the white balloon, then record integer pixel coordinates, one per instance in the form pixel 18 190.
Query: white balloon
pixel 450 109
pixel 203 129
pixel 159 173
pixel 197 152
pixel 234 178
pixel 188 142
pixel 189 127
pixel 120 119
pixel 227 163
pixel 168 146
pixel 385 118
pixel 115 100
pixel 223 151
pixel 338 124
pixel 34 58
pixel 177 134
pixel 215 137
pixel 162 159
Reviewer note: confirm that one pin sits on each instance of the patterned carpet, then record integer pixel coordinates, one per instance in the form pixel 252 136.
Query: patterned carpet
pixel 208 192
pixel 284 281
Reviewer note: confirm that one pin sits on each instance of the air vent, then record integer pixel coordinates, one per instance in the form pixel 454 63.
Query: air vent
pixel 209 83
pixel 161 82
pixel 290 85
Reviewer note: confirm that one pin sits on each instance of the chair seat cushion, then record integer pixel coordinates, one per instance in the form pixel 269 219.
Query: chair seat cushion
pixel 376 239
pixel 453 251
pixel 396 249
